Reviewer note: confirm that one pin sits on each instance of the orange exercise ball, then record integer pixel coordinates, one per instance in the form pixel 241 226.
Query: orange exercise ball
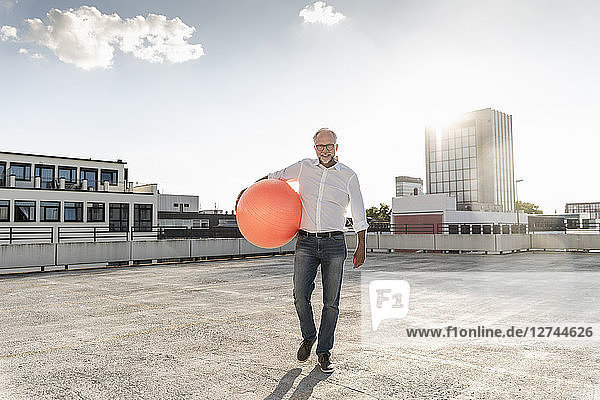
pixel 268 213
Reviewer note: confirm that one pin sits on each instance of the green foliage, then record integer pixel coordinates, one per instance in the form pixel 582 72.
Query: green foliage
pixel 529 208
pixel 379 214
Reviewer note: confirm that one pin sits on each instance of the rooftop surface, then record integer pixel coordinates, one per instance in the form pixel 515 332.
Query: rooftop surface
pixel 228 330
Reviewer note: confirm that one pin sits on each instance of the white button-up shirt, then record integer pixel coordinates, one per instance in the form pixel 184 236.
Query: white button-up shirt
pixel 325 194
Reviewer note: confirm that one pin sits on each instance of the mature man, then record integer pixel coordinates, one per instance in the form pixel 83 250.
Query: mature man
pixel 326 188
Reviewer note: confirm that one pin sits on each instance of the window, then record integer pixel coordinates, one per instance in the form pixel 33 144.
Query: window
pixel 22 172
pixel 74 212
pixel 186 205
pixel 2 174
pixel 202 224
pixel 91 175
pixel 95 212
pixel 142 217
pixel 50 211
pixel 46 174
pixel 118 217
pixel 4 210
pixel 109 175
pixel 175 205
pixel 69 173
pixel 24 211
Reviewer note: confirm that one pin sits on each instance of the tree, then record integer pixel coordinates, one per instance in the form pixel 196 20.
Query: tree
pixel 379 214
pixel 529 208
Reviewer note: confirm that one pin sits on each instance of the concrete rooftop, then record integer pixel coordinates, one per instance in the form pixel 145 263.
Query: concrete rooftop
pixel 228 330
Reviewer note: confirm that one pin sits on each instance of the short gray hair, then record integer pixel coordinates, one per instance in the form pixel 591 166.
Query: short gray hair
pixel 325 130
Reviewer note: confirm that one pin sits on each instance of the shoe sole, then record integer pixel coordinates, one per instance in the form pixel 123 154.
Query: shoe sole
pixel 326 371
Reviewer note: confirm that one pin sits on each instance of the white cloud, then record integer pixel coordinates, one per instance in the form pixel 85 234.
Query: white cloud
pixel 8 32
pixel 36 56
pixel 87 38
pixel 321 13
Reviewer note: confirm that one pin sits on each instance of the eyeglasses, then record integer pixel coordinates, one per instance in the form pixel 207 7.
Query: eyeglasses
pixel 322 147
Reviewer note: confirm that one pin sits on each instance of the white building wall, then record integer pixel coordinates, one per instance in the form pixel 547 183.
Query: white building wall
pixel 423 203
pixel 64 162
pixel 166 202
pixel 63 196
pixel 480 217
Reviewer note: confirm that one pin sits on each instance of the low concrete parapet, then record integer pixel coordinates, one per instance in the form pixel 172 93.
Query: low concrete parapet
pixel 465 242
pixel 514 242
pixel 27 255
pixel 565 241
pixel 160 249
pixel 91 252
pixel 215 247
pixel 406 242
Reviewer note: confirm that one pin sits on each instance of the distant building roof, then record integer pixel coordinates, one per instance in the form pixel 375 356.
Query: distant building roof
pixel 68 158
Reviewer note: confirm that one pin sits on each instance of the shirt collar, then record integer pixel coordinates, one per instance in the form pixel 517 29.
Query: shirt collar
pixel 336 165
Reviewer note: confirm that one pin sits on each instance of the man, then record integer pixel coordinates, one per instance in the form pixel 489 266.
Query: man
pixel 326 189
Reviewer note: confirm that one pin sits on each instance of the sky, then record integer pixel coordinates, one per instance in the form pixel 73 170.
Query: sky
pixel 205 97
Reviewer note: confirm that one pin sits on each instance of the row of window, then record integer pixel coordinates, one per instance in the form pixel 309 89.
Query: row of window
pixel 449 144
pixel 22 172
pixel 577 208
pixel 453 154
pixel 462 174
pixel 461 196
pixel 452 165
pixel 50 211
pixel 441 187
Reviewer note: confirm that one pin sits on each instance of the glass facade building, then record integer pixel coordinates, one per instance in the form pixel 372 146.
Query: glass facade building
pixel 472 160
pixel 577 208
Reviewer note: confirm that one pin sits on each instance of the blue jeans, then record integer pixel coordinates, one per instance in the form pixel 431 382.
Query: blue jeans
pixel 330 253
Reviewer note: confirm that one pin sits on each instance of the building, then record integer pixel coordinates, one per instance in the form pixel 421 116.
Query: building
pixel 179 211
pixel 592 208
pixel 437 213
pixel 51 198
pixel 472 160
pixel 67 192
pixel 408 186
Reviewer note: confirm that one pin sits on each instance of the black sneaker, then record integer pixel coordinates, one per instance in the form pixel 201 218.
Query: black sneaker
pixel 304 350
pixel 325 364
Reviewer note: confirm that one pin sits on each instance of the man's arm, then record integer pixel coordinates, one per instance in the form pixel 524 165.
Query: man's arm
pixel 361 250
pixel 291 172
pixel 244 189
pixel 359 220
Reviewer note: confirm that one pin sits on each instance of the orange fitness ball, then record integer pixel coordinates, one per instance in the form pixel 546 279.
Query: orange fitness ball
pixel 268 213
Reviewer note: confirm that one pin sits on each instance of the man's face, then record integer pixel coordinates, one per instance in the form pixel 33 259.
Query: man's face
pixel 325 147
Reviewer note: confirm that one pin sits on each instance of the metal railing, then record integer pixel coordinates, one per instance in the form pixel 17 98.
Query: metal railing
pixel 95 234
pixel 451 229
pixel 83 233
pixel 13 235
pixel 484 228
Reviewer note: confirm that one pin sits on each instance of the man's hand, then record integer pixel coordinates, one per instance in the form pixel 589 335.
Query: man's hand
pixel 361 250
pixel 359 256
pixel 243 190
pixel 238 198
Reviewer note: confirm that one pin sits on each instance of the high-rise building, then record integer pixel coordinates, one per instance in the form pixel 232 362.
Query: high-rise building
pixel 472 160
pixel 408 186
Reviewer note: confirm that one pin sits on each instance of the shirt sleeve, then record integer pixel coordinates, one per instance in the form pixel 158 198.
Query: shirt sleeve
pixel 357 207
pixel 291 172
